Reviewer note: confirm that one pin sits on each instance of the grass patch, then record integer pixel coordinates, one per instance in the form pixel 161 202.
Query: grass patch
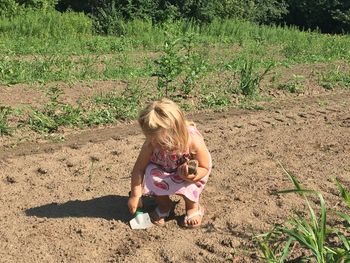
pixel 335 77
pixel 295 85
pixel 99 110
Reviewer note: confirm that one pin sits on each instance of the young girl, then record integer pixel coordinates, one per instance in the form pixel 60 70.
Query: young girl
pixel 161 168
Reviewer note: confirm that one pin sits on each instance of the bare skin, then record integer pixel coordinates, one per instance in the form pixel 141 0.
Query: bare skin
pixel 165 204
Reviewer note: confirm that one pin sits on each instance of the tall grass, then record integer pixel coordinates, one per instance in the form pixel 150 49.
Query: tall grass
pixel 72 33
pixel 44 69
pixel 45 24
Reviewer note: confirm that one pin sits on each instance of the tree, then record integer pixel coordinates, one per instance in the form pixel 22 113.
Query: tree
pixel 329 16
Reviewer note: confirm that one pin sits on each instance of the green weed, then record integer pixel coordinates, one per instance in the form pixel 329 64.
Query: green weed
pixel 168 67
pixel 54 114
pixel 216 99
pixel 333 78
pixel 111 107
pixel 179 59
pixel 249 79
pixel 4 127
pixel 46 24
pixel 293 86
pixel 249 104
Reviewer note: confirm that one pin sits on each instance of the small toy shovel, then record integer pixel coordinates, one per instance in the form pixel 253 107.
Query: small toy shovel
pixel 141 220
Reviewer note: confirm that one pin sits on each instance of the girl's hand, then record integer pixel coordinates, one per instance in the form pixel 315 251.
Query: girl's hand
pixel 183 173
pixel 134 202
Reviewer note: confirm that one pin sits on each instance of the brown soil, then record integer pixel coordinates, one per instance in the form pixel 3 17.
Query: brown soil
pixel 67 202
pixel 21 95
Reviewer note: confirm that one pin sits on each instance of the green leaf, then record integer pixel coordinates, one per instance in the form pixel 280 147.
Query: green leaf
pixel 344 216
pixel 345 195
pixel 291 177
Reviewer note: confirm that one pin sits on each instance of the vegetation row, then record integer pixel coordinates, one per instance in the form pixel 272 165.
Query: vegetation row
pixel 326 15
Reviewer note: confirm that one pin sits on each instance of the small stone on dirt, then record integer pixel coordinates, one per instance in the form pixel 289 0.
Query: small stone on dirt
pixel 42 171
pixel 69 164
pixel 74 146
pixel 116 153
pixel 10 179
pixel 94 158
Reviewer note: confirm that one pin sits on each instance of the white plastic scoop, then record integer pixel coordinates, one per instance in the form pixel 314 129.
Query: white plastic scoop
pixel 141 220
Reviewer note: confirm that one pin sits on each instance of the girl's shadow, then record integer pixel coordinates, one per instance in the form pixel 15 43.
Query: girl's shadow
pixel 108 207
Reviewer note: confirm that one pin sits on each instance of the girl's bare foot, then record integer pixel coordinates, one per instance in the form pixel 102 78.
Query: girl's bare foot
pixel 158 218
pixel 162 211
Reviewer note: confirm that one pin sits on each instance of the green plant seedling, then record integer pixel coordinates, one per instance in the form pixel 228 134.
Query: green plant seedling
pixel 4 127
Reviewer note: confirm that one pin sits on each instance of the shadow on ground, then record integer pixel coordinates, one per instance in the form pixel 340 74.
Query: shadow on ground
pixel 107 207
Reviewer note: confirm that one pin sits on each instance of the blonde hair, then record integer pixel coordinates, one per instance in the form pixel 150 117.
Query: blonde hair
pixel 165 121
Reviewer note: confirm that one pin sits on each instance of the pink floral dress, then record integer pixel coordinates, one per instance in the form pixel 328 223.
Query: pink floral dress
pixel 161 177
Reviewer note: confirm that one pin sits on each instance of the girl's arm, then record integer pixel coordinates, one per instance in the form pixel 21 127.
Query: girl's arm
pixel 137 175
pixel 198 146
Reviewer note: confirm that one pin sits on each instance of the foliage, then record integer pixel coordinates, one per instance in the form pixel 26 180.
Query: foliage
pixel 169 66
pixel 185 57
pixel 102 109
pixel 295 85
pixel 108 20
pixel 329 16
pixel 215 100
pixel 39 4
pixel 110 107
pixel 178 57
pixel 8 8
pixel 261 11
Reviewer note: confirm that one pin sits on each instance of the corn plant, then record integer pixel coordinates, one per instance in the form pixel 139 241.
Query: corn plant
pixel 310 233
pixel 273 253
pixel 346 197
pixel 345 250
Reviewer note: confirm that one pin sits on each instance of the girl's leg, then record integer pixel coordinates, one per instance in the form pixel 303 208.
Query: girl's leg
pixel 164 205
pixel 194 213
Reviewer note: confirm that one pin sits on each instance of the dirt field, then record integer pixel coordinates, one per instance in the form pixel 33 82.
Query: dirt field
pixel 67 202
